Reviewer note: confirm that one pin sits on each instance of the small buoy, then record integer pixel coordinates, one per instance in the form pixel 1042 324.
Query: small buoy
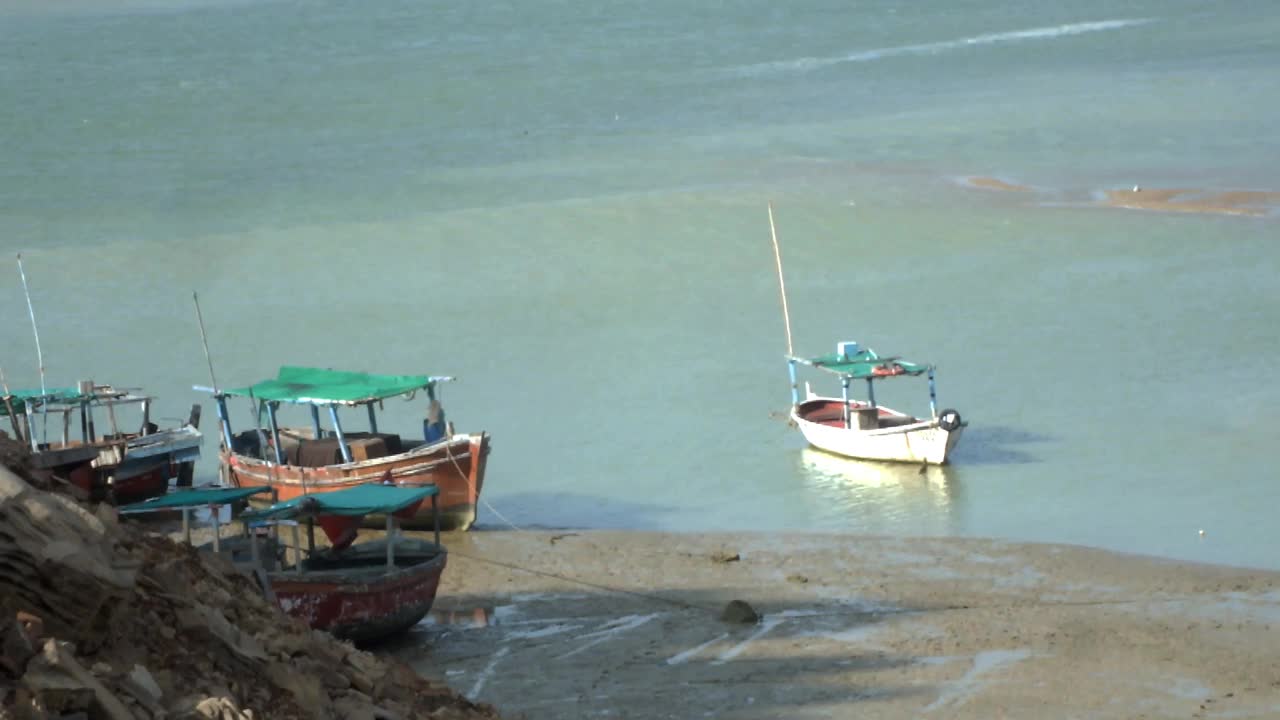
pixel 1202 533
pixel 1137 189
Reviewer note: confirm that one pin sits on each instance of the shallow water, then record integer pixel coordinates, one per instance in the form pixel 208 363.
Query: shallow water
pixel 564 206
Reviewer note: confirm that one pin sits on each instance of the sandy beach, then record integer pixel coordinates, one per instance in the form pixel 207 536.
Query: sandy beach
pixel 626 624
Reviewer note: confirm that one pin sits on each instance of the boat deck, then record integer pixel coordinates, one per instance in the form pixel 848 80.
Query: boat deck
pixel 831 413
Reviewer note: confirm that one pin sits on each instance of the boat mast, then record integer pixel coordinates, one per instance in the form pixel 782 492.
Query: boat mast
pixel 786 316
pixel 39 353
pixel 221 401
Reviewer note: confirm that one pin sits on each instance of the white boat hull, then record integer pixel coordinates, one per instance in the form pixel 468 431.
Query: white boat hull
pixel 924 441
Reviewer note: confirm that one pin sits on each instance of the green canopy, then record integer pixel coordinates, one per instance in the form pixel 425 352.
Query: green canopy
pixel 863 364
pixel 19 399
pixel 64 396
pixel 318 386
pixel 202 497
pixel 366 499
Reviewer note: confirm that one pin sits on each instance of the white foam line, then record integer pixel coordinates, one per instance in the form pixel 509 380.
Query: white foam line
pixel 541 632
pixel 687 654
pixel 983 662
pixel 733 652
pixel 610 630
pixel 1040 33
pixel 487 672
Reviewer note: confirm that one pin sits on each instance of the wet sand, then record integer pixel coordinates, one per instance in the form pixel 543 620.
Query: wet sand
pixel 990 183
pixel 1255 203
pixel 1234 202
pixel 851 627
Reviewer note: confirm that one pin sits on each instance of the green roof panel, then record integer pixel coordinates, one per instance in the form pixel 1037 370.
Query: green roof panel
pixel 199 497
pixel 318 386
pixel 863 364
pixel 369 499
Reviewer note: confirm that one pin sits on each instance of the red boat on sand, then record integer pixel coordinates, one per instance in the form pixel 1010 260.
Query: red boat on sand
pixel 361 592
pixel 364 591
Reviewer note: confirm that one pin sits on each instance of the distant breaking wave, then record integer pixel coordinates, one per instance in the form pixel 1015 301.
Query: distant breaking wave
pixel 1042 33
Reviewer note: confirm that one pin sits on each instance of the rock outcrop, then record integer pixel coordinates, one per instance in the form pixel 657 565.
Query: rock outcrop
pixel 99 619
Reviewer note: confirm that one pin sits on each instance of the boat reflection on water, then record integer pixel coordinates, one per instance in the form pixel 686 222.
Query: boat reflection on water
pixel 869 497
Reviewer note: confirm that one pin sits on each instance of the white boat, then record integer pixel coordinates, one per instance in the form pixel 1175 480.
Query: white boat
pixel 862 429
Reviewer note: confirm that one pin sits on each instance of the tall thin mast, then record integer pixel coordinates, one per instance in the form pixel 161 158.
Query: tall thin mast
pixel 786 316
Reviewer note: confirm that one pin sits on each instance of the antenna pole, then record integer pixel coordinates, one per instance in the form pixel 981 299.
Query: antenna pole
pixel 44 391
pixel 782 288
pixel 205 340
pixel 32 312
pixel 224 422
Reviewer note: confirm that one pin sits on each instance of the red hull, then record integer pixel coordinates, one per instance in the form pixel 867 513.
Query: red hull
pixel 360 605
pixel 456 468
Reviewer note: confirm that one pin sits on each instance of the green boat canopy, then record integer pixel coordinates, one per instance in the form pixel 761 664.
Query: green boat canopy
pixel 65 396
pixel 863 364
pixel 202 497
pixel 19 399
pixel 318 386
pixel 369 499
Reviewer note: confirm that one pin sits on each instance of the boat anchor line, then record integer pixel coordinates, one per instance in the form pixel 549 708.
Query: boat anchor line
pixel 475 493
pixel 586 583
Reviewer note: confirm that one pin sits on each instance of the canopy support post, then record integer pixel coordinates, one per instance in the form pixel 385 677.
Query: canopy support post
pixel 337 430
pixel 217 530
pixel 111 418
pixel 844 392
pixel 253 546
pixel 315 421
pixel 795 389
pixel 13 420
pixel 373 419
pixel 275 431
pixel 311 535
pixel 223 422
pixel 84 422
pixel 31 425
pixel 871 393
pixel 933 395
pixel 186 525
pixel 66 427
pixel 297 551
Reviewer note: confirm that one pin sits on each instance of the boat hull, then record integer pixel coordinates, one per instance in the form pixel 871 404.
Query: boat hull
pixel 125 469
pixel 456 466
pixel 902 438
pixel 363 605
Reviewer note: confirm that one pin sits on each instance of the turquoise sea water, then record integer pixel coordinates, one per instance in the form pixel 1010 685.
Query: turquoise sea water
pixel 563 204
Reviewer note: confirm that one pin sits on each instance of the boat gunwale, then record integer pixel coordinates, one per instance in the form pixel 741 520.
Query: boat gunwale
pixel 925 424
pixel 269 471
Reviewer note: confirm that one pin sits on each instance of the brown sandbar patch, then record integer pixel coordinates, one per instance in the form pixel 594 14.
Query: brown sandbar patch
pixel 1231 202
pixel 990 183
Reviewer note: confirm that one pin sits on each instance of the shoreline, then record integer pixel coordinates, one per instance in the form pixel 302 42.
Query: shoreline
pixel 575 623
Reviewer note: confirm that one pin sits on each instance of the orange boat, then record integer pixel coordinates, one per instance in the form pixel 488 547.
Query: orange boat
pixel 296 461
